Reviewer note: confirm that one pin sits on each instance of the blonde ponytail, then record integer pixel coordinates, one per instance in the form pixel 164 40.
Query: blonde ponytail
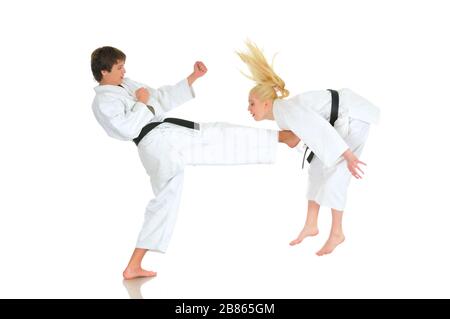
pixel 268 83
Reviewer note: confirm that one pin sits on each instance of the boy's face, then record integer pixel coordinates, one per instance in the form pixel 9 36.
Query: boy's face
pixel 115 77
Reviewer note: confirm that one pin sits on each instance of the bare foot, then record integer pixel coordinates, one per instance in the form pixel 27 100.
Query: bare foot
pixel 332 242
pixel 131 273
pixel 306 232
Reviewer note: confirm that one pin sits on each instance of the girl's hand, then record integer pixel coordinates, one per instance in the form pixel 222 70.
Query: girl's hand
pixel 353 164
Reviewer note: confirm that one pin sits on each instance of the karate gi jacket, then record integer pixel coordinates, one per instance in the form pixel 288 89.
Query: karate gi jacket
pixel 123 117
pixel 308 115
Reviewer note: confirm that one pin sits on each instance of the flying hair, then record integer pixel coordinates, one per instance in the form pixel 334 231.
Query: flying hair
pixel 269 85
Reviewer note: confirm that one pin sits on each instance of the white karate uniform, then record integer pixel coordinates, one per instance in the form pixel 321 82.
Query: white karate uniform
pixel 308 115
pixel 166 149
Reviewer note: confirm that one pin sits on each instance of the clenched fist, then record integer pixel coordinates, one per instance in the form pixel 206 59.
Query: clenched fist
pixel 142 95
pixel 199 69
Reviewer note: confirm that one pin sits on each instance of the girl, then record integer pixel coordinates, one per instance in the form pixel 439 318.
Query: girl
pixel 335 149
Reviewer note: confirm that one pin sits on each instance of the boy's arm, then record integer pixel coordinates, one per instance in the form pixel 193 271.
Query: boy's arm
pixel 121 124
pixel 199 71
pixel 169 97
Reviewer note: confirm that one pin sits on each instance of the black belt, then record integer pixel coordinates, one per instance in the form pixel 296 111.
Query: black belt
pixel 150 126
pixel 333 118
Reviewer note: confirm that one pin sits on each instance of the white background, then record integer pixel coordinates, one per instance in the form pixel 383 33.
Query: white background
pixel 73 199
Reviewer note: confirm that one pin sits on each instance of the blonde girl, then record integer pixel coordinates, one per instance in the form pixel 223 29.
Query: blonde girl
pixel 335 147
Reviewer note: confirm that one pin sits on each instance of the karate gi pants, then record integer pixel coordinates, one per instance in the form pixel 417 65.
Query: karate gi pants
pixel 328 186
pixel 168 148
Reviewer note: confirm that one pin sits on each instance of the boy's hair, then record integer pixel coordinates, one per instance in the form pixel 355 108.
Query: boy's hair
pixel 268 83
pixel 103 59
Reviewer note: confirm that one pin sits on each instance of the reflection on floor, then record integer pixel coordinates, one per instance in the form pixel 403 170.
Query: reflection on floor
pixel 133 286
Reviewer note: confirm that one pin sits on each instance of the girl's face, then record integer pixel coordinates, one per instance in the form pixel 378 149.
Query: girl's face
pixel 256 107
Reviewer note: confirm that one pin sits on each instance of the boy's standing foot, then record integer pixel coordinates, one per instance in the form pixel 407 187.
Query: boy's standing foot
pixel 134 269
pixel 131 273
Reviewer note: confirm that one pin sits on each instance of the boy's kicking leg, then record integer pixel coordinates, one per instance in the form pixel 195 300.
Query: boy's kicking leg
pixel 288 138
pixel 220 144
pixel 310 228
pixel 336 233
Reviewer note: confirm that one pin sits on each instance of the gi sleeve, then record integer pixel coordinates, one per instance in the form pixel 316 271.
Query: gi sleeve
pixel 316 133
pixel 122 124
pixel 171 96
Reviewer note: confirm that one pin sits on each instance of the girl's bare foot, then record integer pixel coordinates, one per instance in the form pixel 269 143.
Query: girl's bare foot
pixel 131 273
pixel 307 231
pixel 333 241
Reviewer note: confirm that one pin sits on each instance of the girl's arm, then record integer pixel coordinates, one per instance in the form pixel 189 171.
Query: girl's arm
pixel 352 163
